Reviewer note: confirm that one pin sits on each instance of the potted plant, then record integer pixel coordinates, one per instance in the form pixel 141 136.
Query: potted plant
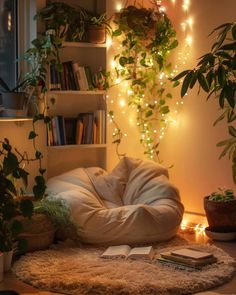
pixel 67 21
pixel 11 170
pixel 98 27
pixel 15 100
pixel 215 74
pixel 220 208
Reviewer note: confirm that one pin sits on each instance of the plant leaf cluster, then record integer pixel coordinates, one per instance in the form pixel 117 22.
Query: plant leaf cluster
pixel 147 37
pixel 222 195
pixel 215 74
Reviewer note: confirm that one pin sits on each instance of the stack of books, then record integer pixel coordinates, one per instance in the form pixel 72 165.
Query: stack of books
pixel 187 258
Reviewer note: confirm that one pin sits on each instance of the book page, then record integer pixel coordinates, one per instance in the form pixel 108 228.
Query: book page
pixel 116 251
pixel 141 252
pixel 191 253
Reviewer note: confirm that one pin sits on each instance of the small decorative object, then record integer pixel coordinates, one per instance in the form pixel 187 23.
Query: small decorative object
pixel 220 208
pixel 98 27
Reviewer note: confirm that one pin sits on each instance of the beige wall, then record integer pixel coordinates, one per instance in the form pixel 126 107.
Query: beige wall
pixel 190 144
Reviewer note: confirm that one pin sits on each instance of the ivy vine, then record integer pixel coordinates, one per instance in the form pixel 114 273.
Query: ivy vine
pixel 147 37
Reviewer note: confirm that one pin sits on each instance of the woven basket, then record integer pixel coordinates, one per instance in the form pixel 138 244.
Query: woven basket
pixel 38 241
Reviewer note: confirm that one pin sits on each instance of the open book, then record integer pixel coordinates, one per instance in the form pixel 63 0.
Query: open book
pixel 125 251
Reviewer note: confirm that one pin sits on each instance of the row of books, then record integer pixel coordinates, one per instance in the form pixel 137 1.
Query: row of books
pixel 87 128
pixel 72 77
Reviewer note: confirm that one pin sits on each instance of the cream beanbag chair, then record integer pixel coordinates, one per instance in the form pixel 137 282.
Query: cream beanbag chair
pixel 133 204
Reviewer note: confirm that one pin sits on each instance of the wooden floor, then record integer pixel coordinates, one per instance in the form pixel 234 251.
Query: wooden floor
pixel 10 282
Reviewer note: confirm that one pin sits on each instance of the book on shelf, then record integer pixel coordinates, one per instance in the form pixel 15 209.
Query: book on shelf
pixel 125 251
pixel 54 78
pixel 187 257
pixel 70 130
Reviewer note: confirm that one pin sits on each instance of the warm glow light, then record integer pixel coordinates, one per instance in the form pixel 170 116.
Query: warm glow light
pixel 189 40
pixel 122 103
pixel 118 6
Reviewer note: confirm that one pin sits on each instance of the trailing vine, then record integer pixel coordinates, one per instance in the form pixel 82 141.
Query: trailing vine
pixel 147 38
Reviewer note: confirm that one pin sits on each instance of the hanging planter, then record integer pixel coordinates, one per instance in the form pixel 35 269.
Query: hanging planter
pixel 146 38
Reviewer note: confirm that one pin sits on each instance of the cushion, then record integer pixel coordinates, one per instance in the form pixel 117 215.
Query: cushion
pixel 133 204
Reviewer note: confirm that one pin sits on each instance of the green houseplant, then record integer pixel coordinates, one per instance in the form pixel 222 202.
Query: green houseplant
pixel 98 27
pixel 215 74
pixel 67 21
pixel 220 208
pixel 11 205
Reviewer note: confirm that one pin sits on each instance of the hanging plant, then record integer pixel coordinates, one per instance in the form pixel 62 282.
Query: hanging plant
pixel 147 37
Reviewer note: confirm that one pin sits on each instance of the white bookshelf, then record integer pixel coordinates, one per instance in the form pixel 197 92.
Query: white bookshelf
pixel 69 103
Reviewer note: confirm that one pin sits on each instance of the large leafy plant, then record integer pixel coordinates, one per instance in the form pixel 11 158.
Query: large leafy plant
pixel 146 37
pixel 215 74
pixel 11 204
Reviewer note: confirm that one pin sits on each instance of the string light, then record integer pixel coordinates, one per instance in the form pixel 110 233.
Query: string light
pixel 124 92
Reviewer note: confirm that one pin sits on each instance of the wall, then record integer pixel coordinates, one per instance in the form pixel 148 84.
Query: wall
pixel 190 145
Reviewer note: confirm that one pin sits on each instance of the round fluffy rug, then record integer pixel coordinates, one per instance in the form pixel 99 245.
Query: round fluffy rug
pixel 82 271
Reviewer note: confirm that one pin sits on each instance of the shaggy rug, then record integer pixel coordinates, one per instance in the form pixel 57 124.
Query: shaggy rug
pixel 72 270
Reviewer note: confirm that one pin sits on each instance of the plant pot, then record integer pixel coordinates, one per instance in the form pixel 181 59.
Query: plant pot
pixel 221 216
pixel 1 266
pixel 7 260
pixel 15 104
pixel 96 34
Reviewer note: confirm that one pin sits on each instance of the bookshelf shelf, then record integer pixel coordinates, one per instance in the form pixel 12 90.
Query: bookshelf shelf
pixel 76 146
pixel 78 92
pixel 83 45
pixel 15 119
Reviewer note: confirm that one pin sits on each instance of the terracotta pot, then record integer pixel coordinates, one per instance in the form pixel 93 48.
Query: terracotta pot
pixel 96 34
pixel 221 216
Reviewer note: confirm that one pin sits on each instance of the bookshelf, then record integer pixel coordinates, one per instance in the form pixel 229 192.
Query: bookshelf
pixel 69 104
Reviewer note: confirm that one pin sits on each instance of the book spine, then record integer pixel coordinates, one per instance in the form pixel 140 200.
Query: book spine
pixel 83 78
pixel 89 77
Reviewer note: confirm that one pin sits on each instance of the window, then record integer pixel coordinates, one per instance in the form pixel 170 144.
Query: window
pixel 8 41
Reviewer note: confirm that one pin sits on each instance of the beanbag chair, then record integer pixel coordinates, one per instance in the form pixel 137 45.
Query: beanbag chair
pixel 133 204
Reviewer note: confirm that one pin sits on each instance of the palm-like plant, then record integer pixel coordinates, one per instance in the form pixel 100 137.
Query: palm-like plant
pixel 215 73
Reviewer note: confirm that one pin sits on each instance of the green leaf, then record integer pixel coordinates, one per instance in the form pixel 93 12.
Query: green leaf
pixel 148 113
pixel 27 208
pixel 220 118
pixel 232 131
pixel 203 82
pixel 38 155
pixel 222 98
pixel 186 83
pixel 164 110
pixel 24 176
pixel 221 75
pixel 10 163
pixel 32 135
pixel 123 61
pixel 169 95
pixel 116 33
pixel 230 46
pixel 180 75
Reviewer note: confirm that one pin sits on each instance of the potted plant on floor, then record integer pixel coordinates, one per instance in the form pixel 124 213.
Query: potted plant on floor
pixel 11 170
pixel 220 208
